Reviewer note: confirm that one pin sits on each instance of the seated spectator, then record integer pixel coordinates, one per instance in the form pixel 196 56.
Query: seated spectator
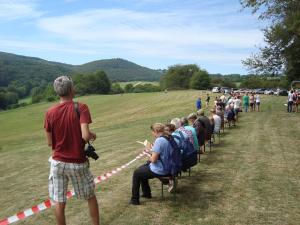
pixel 185 123
pixel 200 130
pixel 229 115
pixel 212 123
pixel 208 127
pixel 220 113
pixel 171 129
pixel 153 168
pixel 179 128
pixel 217 121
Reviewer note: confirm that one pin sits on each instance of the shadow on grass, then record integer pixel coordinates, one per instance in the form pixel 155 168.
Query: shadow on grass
pixel 191 191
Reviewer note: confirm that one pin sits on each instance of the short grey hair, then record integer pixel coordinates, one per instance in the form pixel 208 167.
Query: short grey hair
pixel 63 85
pixel 176 122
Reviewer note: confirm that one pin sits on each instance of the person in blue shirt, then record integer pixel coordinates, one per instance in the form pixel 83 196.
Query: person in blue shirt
pixel 198 103
pixel 154 167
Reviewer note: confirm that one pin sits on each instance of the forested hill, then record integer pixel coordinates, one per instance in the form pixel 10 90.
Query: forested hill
pixel 120 70
pixel 22 69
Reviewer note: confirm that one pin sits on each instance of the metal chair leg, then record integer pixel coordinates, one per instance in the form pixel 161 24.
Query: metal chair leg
pixel 162 191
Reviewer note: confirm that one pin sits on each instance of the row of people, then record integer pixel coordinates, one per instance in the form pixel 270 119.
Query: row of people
pixel 197 129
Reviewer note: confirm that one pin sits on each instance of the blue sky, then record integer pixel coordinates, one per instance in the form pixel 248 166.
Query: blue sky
pixel 214 34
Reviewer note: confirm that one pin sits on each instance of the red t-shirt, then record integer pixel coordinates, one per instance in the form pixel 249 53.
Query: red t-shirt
pixel 63 123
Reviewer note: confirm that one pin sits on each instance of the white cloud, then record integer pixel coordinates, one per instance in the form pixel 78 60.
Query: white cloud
pixel 44 46
pixel 18 9
pixel 119 25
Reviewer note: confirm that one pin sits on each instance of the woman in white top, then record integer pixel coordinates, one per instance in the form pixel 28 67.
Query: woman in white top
pixel 237 106
pixel 257 100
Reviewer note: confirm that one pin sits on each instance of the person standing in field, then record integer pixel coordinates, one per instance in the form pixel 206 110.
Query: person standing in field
pixel 246 102
pixel 207 100
pixel 198 103
pixel 237 107
pixel 295 101
pixel 67 130
pixel 251 99
pixel 257 102
pixel 290 101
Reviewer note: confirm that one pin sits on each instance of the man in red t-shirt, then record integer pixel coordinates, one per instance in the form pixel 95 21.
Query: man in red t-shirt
pixel 67 131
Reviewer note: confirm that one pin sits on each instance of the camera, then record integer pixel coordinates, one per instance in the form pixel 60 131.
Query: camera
pixel 91 152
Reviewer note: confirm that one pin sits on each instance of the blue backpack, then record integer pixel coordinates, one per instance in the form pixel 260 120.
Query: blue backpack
pixel 189 153
pixel 173 160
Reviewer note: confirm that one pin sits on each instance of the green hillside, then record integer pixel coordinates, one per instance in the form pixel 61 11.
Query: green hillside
pixel 23 69
pixel 120 70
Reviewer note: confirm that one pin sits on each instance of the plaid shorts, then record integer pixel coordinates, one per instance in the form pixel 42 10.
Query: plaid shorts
pixel 80 176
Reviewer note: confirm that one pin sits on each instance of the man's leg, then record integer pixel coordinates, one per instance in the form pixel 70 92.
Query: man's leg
pixel 60 213
pixel 94 210
pixel 58 185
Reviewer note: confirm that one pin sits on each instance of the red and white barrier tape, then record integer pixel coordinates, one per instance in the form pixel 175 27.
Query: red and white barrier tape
pixel 49 203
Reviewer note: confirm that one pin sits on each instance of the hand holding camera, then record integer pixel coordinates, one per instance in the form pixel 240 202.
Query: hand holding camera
pixel 91 152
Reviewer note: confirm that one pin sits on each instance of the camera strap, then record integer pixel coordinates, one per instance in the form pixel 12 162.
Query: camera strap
pixel 76 109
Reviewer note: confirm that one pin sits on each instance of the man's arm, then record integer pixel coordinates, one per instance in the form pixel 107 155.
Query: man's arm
pixel 87 135
pixel 49 138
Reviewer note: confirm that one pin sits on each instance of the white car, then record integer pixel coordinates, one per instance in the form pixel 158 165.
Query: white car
pixel 215 90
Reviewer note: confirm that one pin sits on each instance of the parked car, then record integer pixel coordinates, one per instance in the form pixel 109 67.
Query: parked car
pixel 283 92
pixel 260 91
pixel 216 90
pixel 225 90
pixel 269 92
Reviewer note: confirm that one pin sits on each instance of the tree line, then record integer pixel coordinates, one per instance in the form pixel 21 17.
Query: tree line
pixel 84 84
pixel 177 77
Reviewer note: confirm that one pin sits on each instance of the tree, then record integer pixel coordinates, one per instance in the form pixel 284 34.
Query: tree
pixel 37 94
pixel 146 88
pixel 228 83
pixel 94 83
pixel 200 80
pixel 282 51
pixel 116 89
pixel 129 88
pixel 101 83
pixel 178 76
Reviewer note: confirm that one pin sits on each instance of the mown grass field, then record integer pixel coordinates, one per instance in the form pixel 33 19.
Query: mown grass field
pixel 252 177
